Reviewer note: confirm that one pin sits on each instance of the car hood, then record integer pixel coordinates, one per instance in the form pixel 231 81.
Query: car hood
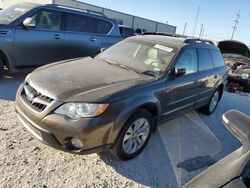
pixel 85 79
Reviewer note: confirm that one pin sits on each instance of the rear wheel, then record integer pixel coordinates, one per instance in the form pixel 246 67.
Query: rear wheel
pixel 134 136
pixel 211 106
pixel 1 68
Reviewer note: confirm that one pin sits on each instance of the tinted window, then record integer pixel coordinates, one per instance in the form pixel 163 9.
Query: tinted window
pixel 205 60
pixel 78 23
pixel 46 19
pixel 126 32
pixel 188 60
pixel 102 26
pixel 217 58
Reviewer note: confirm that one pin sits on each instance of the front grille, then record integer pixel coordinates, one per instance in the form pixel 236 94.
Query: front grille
pixel 37 101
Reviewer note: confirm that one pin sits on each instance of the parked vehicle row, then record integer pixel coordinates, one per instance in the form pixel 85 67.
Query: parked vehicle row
pixel 115 100
pixel 32 35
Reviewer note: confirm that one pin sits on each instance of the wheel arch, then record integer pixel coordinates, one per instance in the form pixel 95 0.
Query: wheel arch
pixel 152 106
pixel 220 88
pixel 5 59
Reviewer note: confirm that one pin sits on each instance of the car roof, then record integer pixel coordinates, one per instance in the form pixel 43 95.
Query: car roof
pixel 175 42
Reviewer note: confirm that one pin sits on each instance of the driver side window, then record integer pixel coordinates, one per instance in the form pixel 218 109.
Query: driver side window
pixel 47 19
pixel 188 61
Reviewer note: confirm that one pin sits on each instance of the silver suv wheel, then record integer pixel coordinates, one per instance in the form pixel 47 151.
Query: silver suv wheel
pixel 214 101
pixel 136 136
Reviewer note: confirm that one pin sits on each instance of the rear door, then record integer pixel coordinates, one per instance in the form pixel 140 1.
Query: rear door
pixel 182 91
pixel 41 44
pixel 84 35
pixel 208 76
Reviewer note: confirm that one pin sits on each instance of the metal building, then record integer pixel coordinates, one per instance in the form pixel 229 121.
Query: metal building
pixel 123 18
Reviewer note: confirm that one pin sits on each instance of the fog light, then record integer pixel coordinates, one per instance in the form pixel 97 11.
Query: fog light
pixel 76 143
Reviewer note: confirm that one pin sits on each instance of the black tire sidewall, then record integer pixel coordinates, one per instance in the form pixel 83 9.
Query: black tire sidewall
pixel 1 68
pixel 119 152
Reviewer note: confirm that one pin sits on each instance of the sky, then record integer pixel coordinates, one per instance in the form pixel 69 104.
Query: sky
pixel 217 15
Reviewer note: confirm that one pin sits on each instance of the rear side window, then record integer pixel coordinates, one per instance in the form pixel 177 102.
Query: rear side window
pixel 205 60
pixel 78 23
pixel 88 24
pixel 102 26
pixel 217 58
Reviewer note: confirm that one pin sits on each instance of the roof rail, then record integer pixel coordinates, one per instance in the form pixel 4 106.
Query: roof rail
pixel 165 34
pixel 198 40
pixel 77 9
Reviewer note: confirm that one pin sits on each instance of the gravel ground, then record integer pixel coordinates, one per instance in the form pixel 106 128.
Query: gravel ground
pixel 25 162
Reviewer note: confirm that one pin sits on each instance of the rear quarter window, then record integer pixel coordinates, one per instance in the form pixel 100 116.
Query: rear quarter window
pixel 217 58
pixel 102 26
pixel 205 59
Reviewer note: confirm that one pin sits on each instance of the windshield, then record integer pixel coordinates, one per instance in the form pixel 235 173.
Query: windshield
pixel 143 57
pixel 10 14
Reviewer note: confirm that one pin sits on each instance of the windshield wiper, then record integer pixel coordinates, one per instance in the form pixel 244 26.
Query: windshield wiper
pixel 120 65
pixel 149 73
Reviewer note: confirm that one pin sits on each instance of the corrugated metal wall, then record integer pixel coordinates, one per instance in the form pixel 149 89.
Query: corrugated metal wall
pixel 128 20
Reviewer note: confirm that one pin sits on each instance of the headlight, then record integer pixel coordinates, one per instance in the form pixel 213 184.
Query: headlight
pixel 81 110
pixel 27 77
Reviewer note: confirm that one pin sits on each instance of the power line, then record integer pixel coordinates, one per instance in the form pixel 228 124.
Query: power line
pixel 196 21
pixel 201 31
pixel 184 29
pixel 236 23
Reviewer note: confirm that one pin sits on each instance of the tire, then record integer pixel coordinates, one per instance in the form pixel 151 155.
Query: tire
pixel 213 103
pixel 247 88
pixel 134 136
pixel 1 68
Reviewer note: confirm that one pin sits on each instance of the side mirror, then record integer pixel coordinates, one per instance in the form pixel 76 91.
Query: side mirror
pixel 29 22
pixel 180 72
pixel 244 76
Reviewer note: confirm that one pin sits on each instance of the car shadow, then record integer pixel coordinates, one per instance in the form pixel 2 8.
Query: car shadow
pixel 151 168
pixel 9 85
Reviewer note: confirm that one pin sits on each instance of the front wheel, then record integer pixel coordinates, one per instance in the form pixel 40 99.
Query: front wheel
pixel 211 106
pixel 134 136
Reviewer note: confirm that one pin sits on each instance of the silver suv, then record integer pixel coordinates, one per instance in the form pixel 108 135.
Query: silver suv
pixel 32 35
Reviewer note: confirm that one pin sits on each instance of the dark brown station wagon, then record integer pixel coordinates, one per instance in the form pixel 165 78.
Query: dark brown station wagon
pixel 115 100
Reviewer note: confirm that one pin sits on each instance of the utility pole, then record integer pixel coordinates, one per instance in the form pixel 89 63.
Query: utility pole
pixel 201 31
pixel 184 29
pixel 236 23
pixel 196 21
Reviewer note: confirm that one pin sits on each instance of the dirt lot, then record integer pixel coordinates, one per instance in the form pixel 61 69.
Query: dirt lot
pixel 25 162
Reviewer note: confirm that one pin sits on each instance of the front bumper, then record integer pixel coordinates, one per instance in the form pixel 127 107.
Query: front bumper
pixel 57 130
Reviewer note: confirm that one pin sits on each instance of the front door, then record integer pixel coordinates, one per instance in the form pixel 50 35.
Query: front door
pixel 41 43
pixel 182 91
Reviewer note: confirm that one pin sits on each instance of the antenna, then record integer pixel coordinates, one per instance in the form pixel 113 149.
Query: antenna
pixel 236 23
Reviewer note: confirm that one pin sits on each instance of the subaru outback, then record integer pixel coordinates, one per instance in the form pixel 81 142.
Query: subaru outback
pixel 115 100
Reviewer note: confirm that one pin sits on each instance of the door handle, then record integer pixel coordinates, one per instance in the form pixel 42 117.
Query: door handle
pixel 92 39
pixel 56 36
